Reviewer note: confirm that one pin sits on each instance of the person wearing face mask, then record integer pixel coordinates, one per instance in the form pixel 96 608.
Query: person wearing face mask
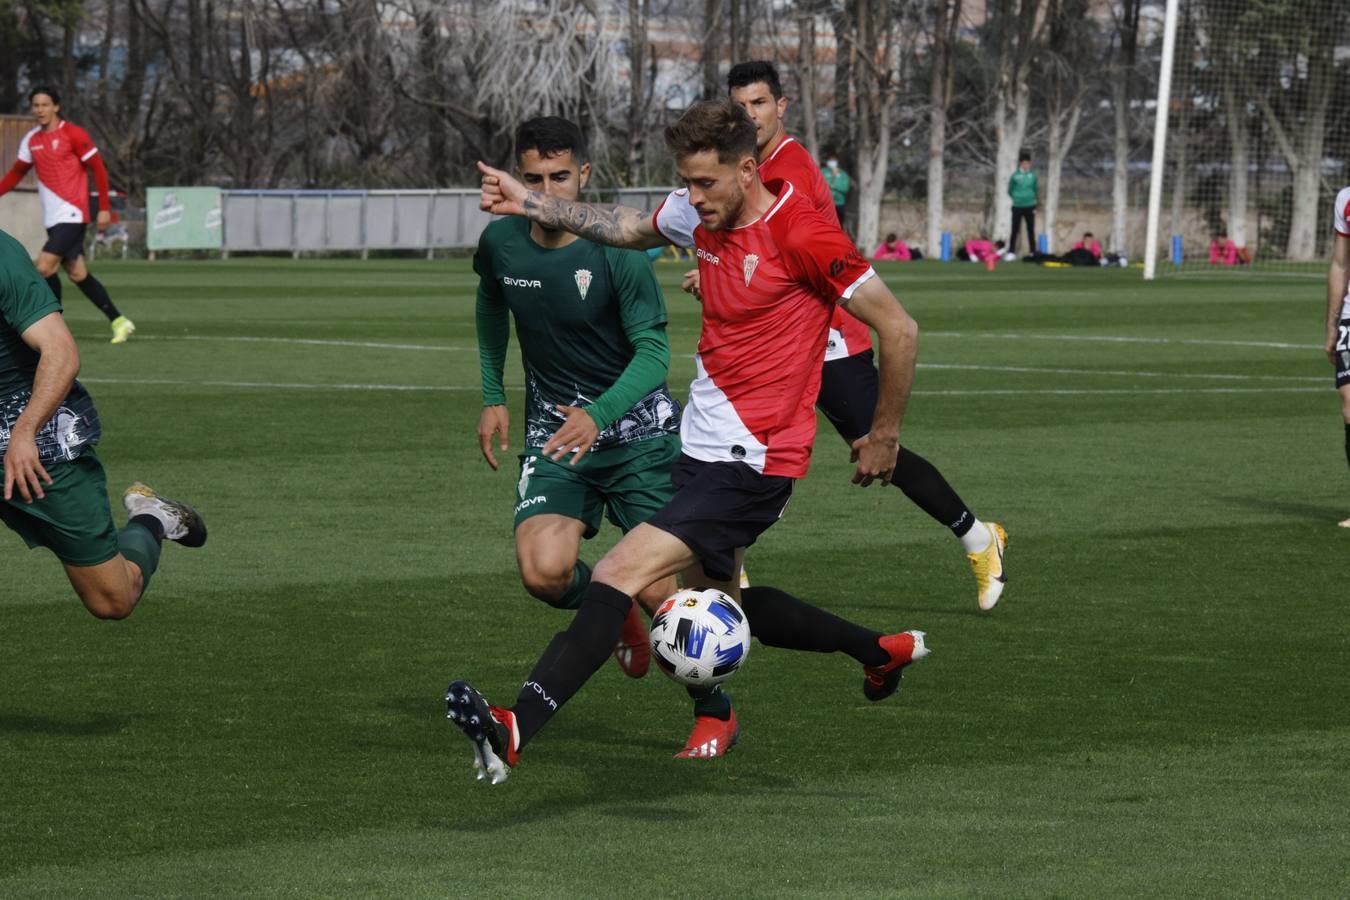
pixel 838 182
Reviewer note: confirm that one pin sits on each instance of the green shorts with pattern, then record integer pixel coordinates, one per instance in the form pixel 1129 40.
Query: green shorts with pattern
pixel 629 483
pixel 73 520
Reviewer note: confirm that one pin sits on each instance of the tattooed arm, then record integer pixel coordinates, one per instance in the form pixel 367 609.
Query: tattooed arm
pixel 618 226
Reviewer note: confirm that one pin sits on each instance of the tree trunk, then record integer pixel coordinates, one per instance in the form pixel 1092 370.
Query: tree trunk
pixel 1303 221
pixel 1239 160
pixel 1010 128
pixel 1127 29
pixel 635 159
pixel 712 51
pixel 806 76
pixel 875 70
pixel 945 25
pixel 1059 141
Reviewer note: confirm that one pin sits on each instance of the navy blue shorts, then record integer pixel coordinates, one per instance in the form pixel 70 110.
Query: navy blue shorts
pixel 65 240
pixel 720 507
pixel 848 394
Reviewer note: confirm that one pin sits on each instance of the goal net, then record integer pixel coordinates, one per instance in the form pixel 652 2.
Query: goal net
pixel 1258 135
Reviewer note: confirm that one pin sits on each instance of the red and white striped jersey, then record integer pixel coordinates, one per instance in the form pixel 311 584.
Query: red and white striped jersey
pixel 59 156
pixel 791 162
pixel 1341 222
pixel 769 288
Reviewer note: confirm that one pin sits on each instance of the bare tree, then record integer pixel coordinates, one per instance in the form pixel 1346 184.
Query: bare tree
pixel 1122 78
pixel 1018 27
pixel 942 64
pixel 1068 52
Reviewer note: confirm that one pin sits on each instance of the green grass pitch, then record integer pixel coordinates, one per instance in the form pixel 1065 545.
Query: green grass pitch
pixel 1157 707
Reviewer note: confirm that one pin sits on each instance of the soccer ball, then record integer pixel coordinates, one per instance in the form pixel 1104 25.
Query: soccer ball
pixel 700 637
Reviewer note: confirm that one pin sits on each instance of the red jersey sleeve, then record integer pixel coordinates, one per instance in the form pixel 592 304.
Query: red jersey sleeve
pixel 819 253
pixel 81 142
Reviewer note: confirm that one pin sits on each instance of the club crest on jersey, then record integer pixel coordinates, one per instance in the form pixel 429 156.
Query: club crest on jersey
pixel 583 280
pixel 751 260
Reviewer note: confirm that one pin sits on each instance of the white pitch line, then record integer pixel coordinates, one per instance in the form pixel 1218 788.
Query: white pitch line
pixel 1005 337
pixel 453 388
pixel 1008 337
pixel 1070 392
pixel 289 385
pixel 1041 370
pixel 314 342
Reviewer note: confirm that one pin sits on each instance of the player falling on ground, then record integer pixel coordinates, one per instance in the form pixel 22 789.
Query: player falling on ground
pixel 55 492
pixel 772 269
pixel 1338 311
pixel 601 428
pixel 61 151
pixel 848 381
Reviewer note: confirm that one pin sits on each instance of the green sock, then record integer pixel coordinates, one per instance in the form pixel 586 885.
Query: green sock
pixel 141 547
pixel 711 701
pixel 571 598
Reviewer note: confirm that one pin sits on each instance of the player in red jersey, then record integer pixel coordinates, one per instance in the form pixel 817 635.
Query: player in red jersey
pixel 848 387
pixel 61 152
pixel 773 269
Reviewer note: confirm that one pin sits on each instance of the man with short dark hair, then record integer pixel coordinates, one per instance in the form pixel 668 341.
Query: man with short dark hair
pixel 55 493
pixel 601 428
pixel 1023 188
pixel 848 381
pixel 772 269
pixel 61 151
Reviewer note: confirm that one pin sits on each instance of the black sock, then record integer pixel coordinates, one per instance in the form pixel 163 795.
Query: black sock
pixel 1347 442
pixel 54 282
pixel 98 295
pixel 571 657
pixel 779 619
pixel 924 484
pixel 710 701
pixel 150 524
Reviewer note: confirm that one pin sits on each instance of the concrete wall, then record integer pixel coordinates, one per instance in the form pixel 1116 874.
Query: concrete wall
pixel 21 216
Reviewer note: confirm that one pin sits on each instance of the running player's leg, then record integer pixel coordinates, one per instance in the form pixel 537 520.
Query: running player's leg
pixel 556 508
pixel 547 547
pixel 91 287
pixel 59 240
pixel 1344 390
pixel 715 727
pixel 848 397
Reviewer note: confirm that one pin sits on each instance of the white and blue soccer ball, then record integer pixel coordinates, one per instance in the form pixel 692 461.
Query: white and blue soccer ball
pixel 700 637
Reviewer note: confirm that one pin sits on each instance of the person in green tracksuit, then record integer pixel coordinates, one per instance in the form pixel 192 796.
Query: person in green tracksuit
pixel 1022 188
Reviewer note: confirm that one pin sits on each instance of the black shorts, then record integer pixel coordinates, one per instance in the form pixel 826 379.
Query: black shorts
pixel 1343 354
pixel 720 507
pixel 848 394
pixel 65 240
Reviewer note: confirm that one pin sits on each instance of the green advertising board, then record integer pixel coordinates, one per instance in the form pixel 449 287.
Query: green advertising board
pixel 182 218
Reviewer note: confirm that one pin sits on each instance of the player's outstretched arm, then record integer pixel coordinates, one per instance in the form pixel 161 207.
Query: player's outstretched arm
pixel 58 364
pixel 1338 278
pixel 897 349
pixel 617 226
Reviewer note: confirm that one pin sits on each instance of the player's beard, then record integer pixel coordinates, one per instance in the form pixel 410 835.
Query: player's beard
pixel 732 211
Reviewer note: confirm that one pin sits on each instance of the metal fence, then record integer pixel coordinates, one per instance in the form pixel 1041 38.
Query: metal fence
pixel 269 221
pixel 332 221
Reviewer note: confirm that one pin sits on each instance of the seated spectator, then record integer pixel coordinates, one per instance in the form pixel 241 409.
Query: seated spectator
pixel 1223 252
pixel 1086 252
pixel 980 250
pixel 892 248
pixel 1089 243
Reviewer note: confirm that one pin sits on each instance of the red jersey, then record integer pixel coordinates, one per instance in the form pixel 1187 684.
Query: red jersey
pixel 790 162
pixel 769 288
pixel 59 156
